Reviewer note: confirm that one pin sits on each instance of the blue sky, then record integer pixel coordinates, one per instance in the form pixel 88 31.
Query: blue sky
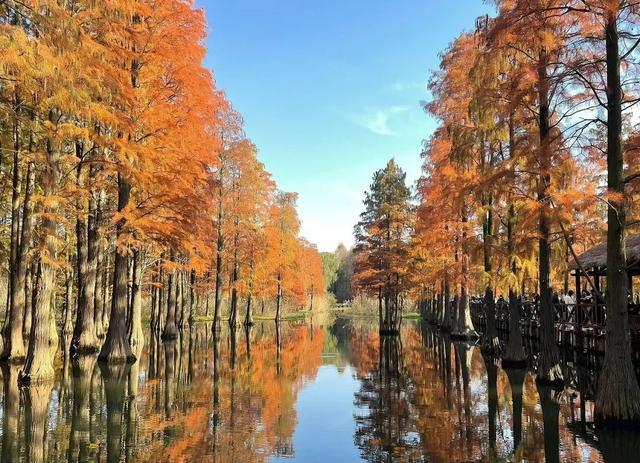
pixel 331 89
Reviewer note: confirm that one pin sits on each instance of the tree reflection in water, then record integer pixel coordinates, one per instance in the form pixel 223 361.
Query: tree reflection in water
pixel 449 402
pixel 232 396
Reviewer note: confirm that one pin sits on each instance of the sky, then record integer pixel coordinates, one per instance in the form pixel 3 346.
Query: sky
pixel 330 90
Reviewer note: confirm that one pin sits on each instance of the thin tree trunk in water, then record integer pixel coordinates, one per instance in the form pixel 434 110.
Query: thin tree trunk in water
pixel 39 364
pixel 101 271
pixel 136 335
pixel 67 323
pixel 170 329
pixel 13 346
pixel 464 326
pixel 116 347
pixel 107 295
pixel 549 361
pixel 88 339
pixel 380 319
pixel 192 296
pixel 14 239
pixel 514 354
pixel 446 316
pixel 179 300
pixel 491 342
pixel 248 319
pixel 278 297
pixel 219 251
pixel 618 396
pixel 233 313
pixel 84 339
pixel 28 302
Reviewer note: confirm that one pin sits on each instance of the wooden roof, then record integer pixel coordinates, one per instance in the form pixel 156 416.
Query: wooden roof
pixel 597 255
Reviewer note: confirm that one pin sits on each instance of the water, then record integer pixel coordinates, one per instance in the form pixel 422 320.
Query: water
pixel 331 392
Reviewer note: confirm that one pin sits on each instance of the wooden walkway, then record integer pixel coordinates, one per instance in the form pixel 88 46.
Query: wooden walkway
pixel 580 325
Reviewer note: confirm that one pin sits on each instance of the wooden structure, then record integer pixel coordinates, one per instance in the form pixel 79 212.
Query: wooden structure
pixel 581 324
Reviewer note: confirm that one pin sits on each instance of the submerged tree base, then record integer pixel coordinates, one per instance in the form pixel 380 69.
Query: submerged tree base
pixel 470 335
pixel 169 336
pixel 13 359
pixel 84 350
pixel 117 360
pixel 514 364
pixel 389 332
pixel 551 381
pixel 491 346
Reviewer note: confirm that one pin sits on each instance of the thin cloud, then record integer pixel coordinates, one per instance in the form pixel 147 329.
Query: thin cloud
pixel 377 120
pixel 401 86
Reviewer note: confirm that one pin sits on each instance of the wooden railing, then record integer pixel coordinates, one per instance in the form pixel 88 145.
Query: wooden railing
pixel 583 316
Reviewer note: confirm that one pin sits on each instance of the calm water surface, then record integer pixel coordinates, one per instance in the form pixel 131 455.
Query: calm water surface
pixel 329 391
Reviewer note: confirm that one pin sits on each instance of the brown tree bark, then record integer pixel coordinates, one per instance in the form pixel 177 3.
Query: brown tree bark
pixel 84 340
pixel 116 347
pixel 514 353
pixel 136 334
pixel 28 304
pixel 101 270
pixel 170 329
pixel 464 325
pixel 39 363
pixel 13 346
pixel 618 396
pixel 549 362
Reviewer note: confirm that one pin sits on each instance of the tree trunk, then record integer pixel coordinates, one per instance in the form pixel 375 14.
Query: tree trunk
pixel 84 339
pixel 514 354
pixel 28 304
pixel 618 396
pixel 491 341
pixel 279 297
pixel 101 271
pixel 219 251
pixel 549 361
pixel 192 295
pixel 39 364
pixel 464 326
pixel 170 329
pixel 14 238
pixel 116 347
pixel 248 319
pixel 136 334
pixel 13 346
pixel 233 313
pixel 180 296
pixel 67 323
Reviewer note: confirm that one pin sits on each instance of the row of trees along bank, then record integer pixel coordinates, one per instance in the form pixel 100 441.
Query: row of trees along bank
pixel 125 178
pixel 536 150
